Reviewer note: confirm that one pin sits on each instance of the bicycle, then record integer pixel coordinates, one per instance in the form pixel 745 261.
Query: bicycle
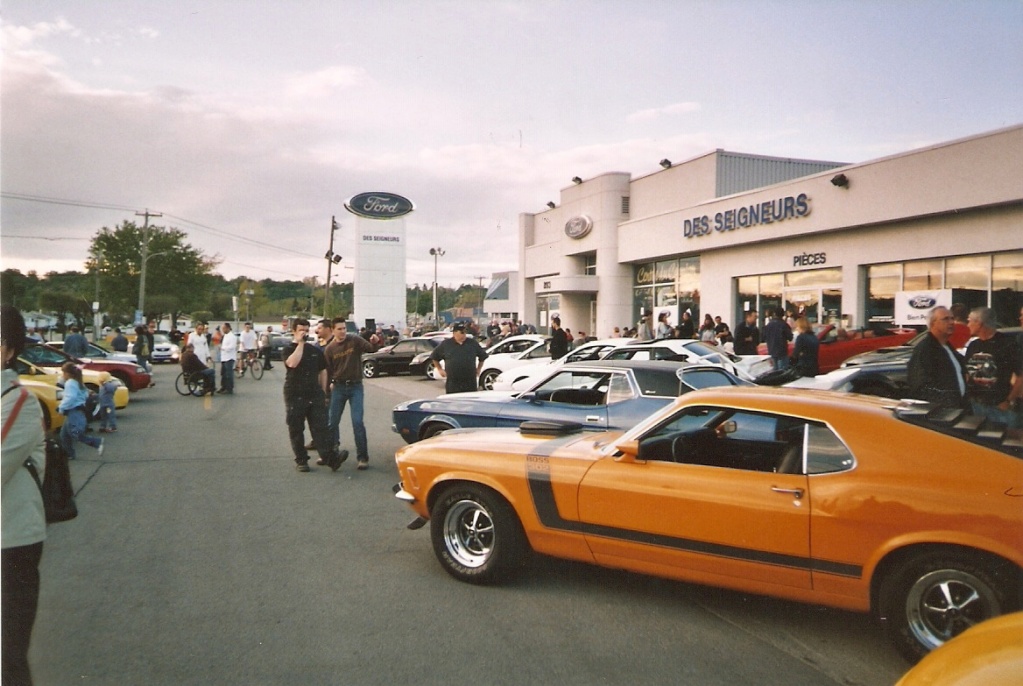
pixel 252 363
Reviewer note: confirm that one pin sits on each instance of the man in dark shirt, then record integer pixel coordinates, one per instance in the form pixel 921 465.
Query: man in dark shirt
pixel 120 342
pixel 75 344
pixel 747 335
pixel 191 365
pixel 935 370
pixel 686 328
pixel 991 360
pixel 344 369
pixel 305 398
pixel 559 339
pixel 777 335
pixel 463 358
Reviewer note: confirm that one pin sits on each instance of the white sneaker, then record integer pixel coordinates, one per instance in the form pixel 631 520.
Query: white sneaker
pixel 99 450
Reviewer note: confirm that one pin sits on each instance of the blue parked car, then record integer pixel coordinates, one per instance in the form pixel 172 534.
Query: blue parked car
pixel 599 395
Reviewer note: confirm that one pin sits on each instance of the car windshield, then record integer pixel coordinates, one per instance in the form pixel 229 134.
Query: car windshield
pixel 160 338
pixel 45 356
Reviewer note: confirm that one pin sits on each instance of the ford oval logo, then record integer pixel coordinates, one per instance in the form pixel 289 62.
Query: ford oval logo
pixel 577 227
pixel 379 205
pixel 922 302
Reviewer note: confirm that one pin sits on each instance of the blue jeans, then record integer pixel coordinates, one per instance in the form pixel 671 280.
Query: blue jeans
pixel 339 397
pixel 74 430
pixel 1010 418
pixel 227 375
pixel 781 362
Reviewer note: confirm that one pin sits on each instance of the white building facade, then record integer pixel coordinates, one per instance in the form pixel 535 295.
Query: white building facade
pixel 724 232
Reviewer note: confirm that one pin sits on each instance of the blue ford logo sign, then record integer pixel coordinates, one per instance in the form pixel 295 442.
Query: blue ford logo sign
pixel 577 227
pixel 379 205
pixel 922 302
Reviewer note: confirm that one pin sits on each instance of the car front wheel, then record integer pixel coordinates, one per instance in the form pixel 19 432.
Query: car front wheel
pixel 476 536
pixel 931 599
pixel 488 378
pixel 369 369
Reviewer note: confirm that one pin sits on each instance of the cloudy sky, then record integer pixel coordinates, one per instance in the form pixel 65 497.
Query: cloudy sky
pixel 248 123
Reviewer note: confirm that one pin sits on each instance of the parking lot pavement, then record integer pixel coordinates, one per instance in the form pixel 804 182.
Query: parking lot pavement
pixel 200 556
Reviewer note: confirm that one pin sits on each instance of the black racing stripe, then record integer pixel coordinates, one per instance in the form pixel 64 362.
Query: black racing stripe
pixel 540 488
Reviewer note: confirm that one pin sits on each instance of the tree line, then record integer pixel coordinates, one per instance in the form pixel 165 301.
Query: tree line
pixel 181 281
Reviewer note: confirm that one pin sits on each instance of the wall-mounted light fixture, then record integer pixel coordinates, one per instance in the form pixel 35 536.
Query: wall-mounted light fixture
pixel 841 180
pixel 666 163
pixel 576 180
pixel 551 204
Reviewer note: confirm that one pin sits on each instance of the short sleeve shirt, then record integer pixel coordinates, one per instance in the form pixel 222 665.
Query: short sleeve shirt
pixel 989 368
pixel 459 361
pixel 304 380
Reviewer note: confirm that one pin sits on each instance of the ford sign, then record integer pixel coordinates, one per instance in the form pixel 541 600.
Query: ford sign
pixel 577 227
pixel 922 302
pixel 379 205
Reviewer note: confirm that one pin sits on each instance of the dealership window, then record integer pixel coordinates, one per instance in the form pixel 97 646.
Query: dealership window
pixel 988 280
pixel 590 264
pixel 815 294
pixel 546 307
pixel 672 285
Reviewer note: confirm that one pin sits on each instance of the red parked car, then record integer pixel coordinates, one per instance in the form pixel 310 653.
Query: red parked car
pixel 838 345
pixel 131 375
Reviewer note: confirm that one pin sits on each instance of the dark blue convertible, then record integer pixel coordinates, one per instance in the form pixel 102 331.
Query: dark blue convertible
pixel 599 395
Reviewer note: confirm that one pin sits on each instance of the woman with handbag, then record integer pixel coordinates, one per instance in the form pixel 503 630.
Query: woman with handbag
pixel 23 516
pixel 72 406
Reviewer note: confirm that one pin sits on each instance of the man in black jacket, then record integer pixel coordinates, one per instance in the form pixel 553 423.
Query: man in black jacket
pixel 559 339
pixel 936 369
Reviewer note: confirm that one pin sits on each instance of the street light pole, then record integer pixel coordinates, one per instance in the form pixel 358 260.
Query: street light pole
pixel 437 253
pixel 141 315
pixel 332 259
pixel 480 278
pixel 97 320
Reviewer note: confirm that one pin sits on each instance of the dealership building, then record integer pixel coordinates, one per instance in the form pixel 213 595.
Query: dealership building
pixel 871 243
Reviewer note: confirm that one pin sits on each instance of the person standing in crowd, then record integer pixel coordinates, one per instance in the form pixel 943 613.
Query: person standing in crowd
pixel 249 345
pixel 707 334
pixel 305 398
pixel 265 346
pixel 72 406
pixel 215 338
pixel 75 344
pixel 200 342
pixel 192 365
pixel 23 518
pixel 463 359
pixel 344 370
pixel 120 342
pixel 747 335
pixel 559 341
pixel 643 330
pixel 228 359
pixel 149 332
pixel 107 407
pixel 961 336
pixel 686 327
pixel 777 335
pixel 138 348
pixel 992 358
pixel 664 329
pixel 804 353
pixel 936 370
pixel 324 334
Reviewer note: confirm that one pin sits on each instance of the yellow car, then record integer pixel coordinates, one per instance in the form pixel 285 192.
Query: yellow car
pixel 989 654
pixel 850 501
pixel 49 396
pixel 92 379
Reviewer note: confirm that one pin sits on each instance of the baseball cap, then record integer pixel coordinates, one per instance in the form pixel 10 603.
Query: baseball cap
pixel 458 326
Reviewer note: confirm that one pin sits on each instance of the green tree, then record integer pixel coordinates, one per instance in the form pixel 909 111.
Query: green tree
pixel 173 266
pixel 62 304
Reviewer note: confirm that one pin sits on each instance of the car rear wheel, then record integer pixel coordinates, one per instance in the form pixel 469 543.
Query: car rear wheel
pixel 488 378
pixel 432 430
pixel 369 369
pixel 431 372
pixel 932 598
pixel 476 536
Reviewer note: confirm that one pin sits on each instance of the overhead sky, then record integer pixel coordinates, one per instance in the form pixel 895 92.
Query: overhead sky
pixel 248 123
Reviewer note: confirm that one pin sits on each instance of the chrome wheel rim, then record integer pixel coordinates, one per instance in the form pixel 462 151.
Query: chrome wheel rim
pixel 469 533
pixel 946 602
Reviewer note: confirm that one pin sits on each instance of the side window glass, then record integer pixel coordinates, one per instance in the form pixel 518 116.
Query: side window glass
pixel 641 355
pixel 403 347
pixel 620 389
pixel 575 388
pixel 826 453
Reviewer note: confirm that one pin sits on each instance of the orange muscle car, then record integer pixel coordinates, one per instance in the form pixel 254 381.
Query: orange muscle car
pixel 843 500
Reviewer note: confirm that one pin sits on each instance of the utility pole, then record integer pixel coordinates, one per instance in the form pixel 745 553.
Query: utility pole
pixel 331 261
pixel 141 314
pixel 437 253
pixel 480 278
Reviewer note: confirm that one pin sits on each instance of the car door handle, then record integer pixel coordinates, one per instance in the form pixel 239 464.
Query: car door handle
pixel 797 493
pixel 592 418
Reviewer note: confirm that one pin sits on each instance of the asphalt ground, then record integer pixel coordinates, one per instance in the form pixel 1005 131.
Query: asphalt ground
pixel 200 556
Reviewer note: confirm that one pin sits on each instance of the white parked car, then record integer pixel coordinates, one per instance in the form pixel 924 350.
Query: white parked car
pixel 513 351
pixel 164 350
pixel 747 367
pixel 521 377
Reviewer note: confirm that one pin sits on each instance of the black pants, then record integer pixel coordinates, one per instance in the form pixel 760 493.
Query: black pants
pixel 20 600
pixel 303 410
pixel 265 354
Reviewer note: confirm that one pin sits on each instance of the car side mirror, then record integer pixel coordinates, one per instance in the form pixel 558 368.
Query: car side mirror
pixel 529 397
pixel 629 451
pixel 729 427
